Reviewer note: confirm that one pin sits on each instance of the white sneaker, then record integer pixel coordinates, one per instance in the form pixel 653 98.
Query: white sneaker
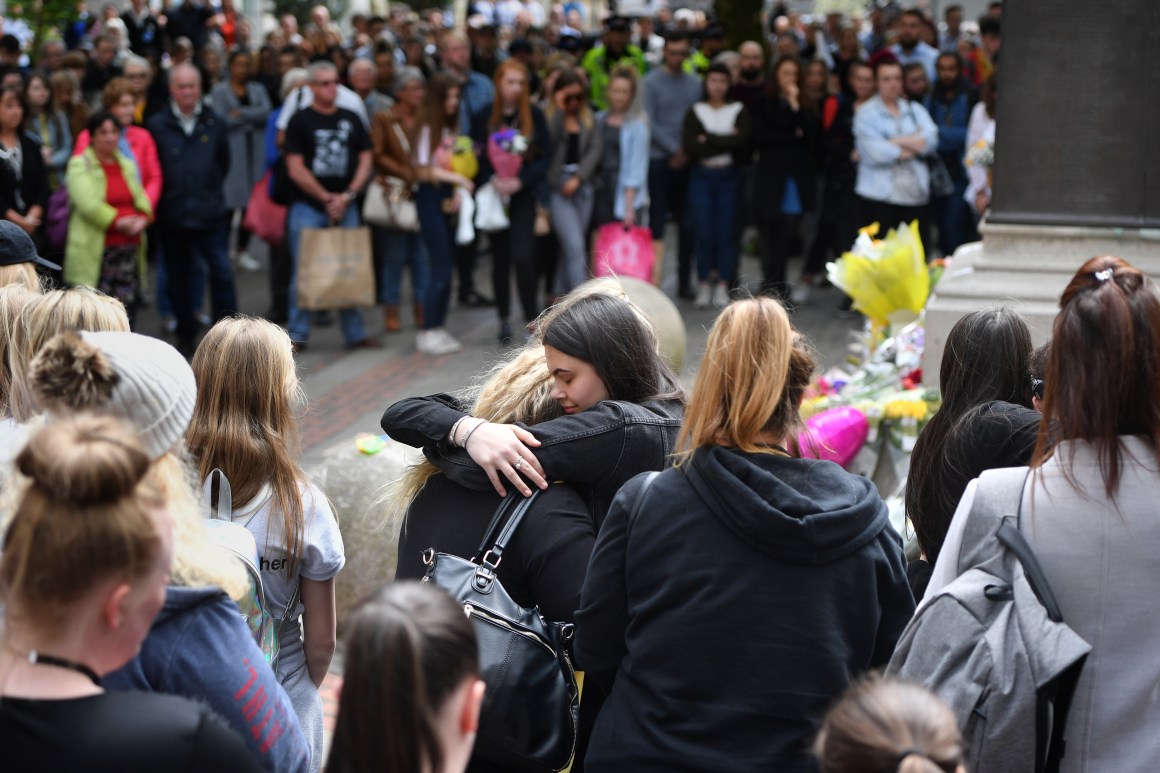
pixel 247 262
pixel 437 341
pixel 799 294
pixel 703 296
pixel 721 295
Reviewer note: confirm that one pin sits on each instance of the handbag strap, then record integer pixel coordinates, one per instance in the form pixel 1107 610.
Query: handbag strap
pixel 518 505
pixel 639 500
pixel 403 141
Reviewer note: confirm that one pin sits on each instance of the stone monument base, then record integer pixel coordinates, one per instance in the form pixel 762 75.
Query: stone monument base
pixel 1026 267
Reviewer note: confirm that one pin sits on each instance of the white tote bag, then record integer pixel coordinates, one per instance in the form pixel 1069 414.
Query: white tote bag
pixel 490 214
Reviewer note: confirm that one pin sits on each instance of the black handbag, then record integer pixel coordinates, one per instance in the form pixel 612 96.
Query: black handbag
pixel 531 710
pixel 941 182
pixel 281 186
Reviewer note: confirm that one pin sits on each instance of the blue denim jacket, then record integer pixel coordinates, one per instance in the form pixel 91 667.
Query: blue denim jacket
pixel 874 126
pixel 477 93
pixel 634 145
pixel 200 648
pixel 952 119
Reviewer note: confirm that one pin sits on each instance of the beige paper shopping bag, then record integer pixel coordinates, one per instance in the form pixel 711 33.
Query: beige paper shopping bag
pixel 335 268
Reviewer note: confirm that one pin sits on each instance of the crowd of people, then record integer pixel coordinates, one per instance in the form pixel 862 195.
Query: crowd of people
pixel 143 136
pixel 731 599
pixel 663 520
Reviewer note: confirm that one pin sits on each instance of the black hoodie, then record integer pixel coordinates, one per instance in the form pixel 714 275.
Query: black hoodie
pixel 735 607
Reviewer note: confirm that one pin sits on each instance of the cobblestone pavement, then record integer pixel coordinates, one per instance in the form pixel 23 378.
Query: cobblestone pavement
pixel 348 390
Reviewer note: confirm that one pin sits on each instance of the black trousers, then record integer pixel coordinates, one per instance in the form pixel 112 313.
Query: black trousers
pixel 516 246
pixel 280 271
pixel 668 191
pixel 779 234
pixel 889 215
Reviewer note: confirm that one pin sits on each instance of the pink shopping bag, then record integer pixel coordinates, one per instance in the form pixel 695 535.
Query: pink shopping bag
pixel 624 252
pixel 265 218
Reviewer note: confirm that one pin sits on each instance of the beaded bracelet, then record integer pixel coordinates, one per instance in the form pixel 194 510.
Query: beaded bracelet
pixel 454 429
pixel 471 432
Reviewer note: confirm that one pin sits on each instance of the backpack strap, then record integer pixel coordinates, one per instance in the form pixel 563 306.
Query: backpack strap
pixel 999 494
pixel 220 507
pixel 636 503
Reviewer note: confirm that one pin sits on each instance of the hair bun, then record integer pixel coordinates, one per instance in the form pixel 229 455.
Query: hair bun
pixel 71 374
pixel 84 460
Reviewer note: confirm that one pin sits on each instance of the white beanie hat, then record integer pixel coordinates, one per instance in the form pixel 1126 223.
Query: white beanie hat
pixel 155 389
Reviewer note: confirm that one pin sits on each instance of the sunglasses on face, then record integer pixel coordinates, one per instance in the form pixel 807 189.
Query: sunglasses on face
pixel 573 99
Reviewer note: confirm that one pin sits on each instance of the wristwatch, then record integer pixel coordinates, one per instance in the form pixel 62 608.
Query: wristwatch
pixel 350 195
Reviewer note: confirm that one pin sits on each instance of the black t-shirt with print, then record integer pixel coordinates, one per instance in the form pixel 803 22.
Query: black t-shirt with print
pixel 329 146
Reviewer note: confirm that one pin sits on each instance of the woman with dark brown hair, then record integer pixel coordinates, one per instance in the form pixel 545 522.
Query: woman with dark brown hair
pixel 23 172
pixel 1089 509
pixel 787 130
pixel 435 200
pixel 984 363
pixel 413 692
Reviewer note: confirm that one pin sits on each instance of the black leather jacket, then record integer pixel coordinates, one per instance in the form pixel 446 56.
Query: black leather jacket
pixel 596 451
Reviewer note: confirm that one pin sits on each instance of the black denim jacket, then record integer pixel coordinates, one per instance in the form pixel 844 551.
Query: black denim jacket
pixel 596 451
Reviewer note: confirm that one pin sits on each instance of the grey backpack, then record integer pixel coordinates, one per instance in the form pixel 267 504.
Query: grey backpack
pixel 993 643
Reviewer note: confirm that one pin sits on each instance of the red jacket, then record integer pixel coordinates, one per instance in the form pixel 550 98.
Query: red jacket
pixel 145 151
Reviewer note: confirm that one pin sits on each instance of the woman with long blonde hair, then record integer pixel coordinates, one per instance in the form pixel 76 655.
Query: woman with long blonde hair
pixel 57 311
pixel 513 109
pixel 623 196
pixel 740 534
pixel 245 425
pixel 199 646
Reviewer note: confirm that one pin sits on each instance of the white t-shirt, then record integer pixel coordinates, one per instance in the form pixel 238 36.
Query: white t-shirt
pixel 322 551
pixel 718 120
pixel 304 98
pixel 422 149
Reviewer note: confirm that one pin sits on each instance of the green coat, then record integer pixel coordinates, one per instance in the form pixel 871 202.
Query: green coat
pixel 90 217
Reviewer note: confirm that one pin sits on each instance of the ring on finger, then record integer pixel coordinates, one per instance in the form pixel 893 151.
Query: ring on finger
pixel 519 463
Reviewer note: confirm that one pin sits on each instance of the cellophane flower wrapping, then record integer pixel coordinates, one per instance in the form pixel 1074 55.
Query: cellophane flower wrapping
pixel 882 380
pixel 463 158
pixel 982 153
pixel 505 150
pixel 884 276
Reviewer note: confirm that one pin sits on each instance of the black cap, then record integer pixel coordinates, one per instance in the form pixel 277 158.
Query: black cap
pixel 569 41
pixel 713 32
pixel 17 247
pixel 520 46
pixel 618 24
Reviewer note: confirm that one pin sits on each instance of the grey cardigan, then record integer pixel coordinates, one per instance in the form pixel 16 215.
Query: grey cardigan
pixel 1102 563
pixel 591 150
pixel 247 133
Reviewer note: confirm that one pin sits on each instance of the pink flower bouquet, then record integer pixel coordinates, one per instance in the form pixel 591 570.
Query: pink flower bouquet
pixel 505 150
